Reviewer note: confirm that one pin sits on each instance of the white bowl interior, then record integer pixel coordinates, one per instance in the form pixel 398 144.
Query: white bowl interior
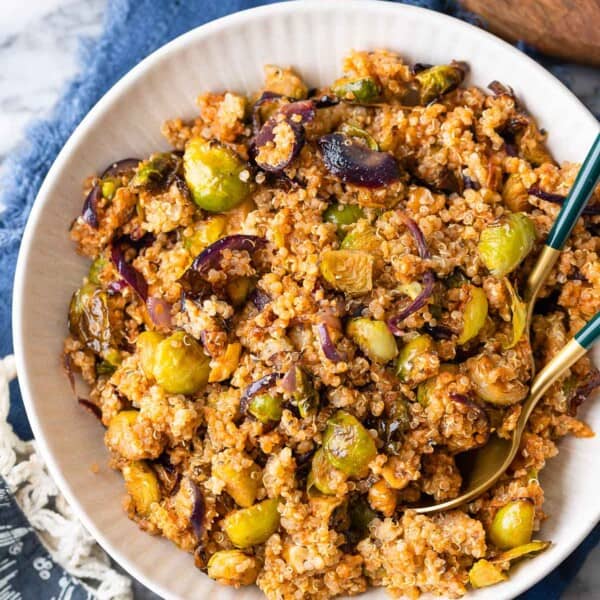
pixel 229 54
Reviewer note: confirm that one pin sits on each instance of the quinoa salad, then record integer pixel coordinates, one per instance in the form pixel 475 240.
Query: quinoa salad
pixel 298 319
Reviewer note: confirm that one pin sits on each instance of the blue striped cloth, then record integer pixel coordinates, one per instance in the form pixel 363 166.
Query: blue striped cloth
pixel 26 570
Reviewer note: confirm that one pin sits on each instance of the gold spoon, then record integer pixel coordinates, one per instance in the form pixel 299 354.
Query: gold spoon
pixel 486 465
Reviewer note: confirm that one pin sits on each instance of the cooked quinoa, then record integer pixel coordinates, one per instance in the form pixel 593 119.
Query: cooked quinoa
pixel 298 318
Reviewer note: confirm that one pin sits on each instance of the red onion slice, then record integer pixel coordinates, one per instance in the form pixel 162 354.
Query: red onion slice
pixel 354 163
pixel 90 407
pixel 121 167
pixel 129 273
pixel 419 302
pixel 159 311
pixel 198 509
pixel 210 257
pixel 417 236
pixel 329 349
pixel 559 199
pixel 255 387
pixel 289 382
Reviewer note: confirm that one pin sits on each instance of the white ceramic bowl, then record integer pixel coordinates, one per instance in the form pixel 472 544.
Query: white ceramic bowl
pixel 229 54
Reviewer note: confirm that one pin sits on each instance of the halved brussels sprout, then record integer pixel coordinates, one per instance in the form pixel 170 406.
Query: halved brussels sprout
pixel 205 233
pixel 474 314
pixel 142 485
pixel 354 131
pixel 156 173
pixel 253 525
pixel 437 81
pixel 266 408
pixel 121 437
pixel 347 444
pixel 350 271
pixel 357 89
pixel 305 398
pixel 413 348
pixel 519 315
pixel 233 567
pixel 374 338
pixel 323 475
pixel 343 214
pixel 213 174
pixel 362 237
pixel 506 242
pixel 146 344
pixel 241 483
pixel 96 269
pixel 89 318
pixel 180 364
pixel 512 525
pixel 109 187
pixel 534 547
pixel 484 573
pixel 425 388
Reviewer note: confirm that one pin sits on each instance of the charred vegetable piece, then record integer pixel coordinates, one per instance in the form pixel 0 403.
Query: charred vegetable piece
pixel 142 485
pixel 241 483
pixel 254 525
pixel 523 551
pixel 213 173
pixel 349 271
pixel 233 567
pixel 519 315
pixel 512 525
pixel 374 338
pixel 362 237
pixel 238 290
pixel 484 573
pixel 147 343
pixel 354 163
pixel 223 366
pixel 343 214
pixel 304 396
pixel 89 318
pixel 409 352
pixel 354 131
pixel 266 408
pixel 205 233
pixel 437 81
pixel 347 444
pixel 474 314
pixel 484 371
pixel 180 364
pixel 425 388
pixel 323 475
pixel 357 89
pixel 157 173
pixel 360 515
pixel 96 269
pixel 506 242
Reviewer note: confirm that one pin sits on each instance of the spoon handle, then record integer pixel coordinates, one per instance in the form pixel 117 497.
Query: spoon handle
pixel 578 197
pixel 589 333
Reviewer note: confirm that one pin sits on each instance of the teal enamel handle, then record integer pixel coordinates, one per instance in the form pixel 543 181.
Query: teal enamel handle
pixel 580 193
pixel 589 333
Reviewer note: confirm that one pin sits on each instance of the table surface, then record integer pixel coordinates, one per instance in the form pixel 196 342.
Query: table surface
pixel 39 41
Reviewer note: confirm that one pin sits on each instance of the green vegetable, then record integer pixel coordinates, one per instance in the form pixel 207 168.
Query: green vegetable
pixel 180 364
pixel 238 289
pixel 323 475
pixel 411 350
pixel 266 408
pixel 343 214
pixel 522 551
pixel 349 271
pixel 305 397
pixel 89 318
pixel 484 573
pixel 374 338
pixel 354 131
pixel 512 525
pixel 212 172
pixel 233 567
pixel 347 444
pixel 474 314
pixel 506 242
pixel 362 237
pixel 437 81
pixel 519 315
pixel 109 186
pixel 147 344
pixel 358 89
pixel 96 269
pixel 156 173
pixel 253 525
pixel 142 485
pixel 241 483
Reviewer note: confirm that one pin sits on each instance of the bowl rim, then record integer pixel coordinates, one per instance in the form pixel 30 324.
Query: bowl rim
pixel 104 104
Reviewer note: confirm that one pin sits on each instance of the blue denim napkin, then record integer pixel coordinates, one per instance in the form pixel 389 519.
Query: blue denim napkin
pixel 105 61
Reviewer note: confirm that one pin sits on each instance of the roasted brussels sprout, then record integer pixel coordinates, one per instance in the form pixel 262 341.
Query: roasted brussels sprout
pixel 157 173
pixel 305 398
pixel 241 482
pixel 512 525
pixel 266 408
pixel 437 81
pixel 424 388
pixel 109 187
pixel 475 313
pixel 146 344
pixel 254 525
pixel 323 475
pixel 233 567
pixel 519 316
pixel 362 237
pixel 205 233
pixel 238 290
pixel 374 338
pixel 484 573
pixel 506 242
pixel 142 486
pixel 89 318
pixel 357 89
pixel 349 271
pixel 528 549
pixel 180 364
pixel 96 269
pixel 343 214
pixel 411 350
pixel 213 173
pixel 360 515
pixel 347 444
pixel 354 131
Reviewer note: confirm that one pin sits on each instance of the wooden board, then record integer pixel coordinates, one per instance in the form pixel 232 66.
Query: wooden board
pixel 568 29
